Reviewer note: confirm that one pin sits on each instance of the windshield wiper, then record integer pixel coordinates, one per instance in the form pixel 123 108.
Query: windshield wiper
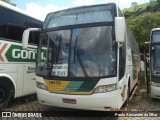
pixel 76 52
pixel 81 64
pixel 59 49
pixel 75 47
pixel 56 48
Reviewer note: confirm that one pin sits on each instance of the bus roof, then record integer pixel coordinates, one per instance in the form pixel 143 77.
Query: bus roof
pixel 13 8
pixel 70 13
pixel 155 29
pixel 81 7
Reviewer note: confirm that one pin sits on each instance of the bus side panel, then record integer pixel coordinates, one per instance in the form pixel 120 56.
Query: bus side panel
pixel 29 86
pixel 133 58
pixel 132 67
pixel 20 80
pixel 19 64
pixel 129 64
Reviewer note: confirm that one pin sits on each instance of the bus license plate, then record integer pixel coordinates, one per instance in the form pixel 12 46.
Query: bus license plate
pixel 70 101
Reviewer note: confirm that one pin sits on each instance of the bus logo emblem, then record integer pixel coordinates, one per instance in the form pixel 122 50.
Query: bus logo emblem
pixel 1 51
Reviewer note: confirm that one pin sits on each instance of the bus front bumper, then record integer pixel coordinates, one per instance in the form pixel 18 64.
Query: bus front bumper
pixel 155 92
pixel 100 101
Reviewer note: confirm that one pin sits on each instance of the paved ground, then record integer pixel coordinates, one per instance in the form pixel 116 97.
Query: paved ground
pixel 139 102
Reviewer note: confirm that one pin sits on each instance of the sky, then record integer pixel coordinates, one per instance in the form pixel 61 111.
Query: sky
pixel 40 8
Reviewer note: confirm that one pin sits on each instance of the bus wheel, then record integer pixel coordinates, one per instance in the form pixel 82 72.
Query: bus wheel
pixel 5 95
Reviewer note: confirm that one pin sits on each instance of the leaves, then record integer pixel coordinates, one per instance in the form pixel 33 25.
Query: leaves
pixel 142 25
pixel 143 21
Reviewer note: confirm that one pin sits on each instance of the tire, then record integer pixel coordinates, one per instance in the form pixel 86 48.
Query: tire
pixel 5 95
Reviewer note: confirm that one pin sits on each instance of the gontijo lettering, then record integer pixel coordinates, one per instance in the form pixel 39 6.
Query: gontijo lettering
pixel 15 53
pixel 24 54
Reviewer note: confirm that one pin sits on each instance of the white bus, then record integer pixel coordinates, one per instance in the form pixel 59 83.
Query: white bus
pixel 17 66
pixel 154 65
pixel 92 60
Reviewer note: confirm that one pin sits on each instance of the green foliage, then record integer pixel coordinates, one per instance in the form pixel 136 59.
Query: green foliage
pixel 158 1
pixel 143 6
pixel 131 9
pixel 143 20
pixel 142 25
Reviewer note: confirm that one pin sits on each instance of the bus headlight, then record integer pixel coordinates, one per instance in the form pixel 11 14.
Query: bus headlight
pixel 41 85
pixel 105 88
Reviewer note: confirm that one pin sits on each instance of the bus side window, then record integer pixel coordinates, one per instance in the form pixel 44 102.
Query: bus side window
pixel 12 31
pixel 34 37
pixel 120 13
pixel 2 31
pixel 121 62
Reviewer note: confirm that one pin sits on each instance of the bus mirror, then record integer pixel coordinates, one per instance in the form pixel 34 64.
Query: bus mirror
pixel 25 36
pixel 120 29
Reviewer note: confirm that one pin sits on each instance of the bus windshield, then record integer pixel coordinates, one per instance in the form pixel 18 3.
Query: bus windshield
pixel 156 37
pixel 155 60
pixel 155 56
pixel 78 52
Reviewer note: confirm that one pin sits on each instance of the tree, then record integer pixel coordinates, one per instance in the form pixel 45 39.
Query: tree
pixel 151 1
pixel 9 2
pixel 135 5
pixel 142 25
pixel 158 1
